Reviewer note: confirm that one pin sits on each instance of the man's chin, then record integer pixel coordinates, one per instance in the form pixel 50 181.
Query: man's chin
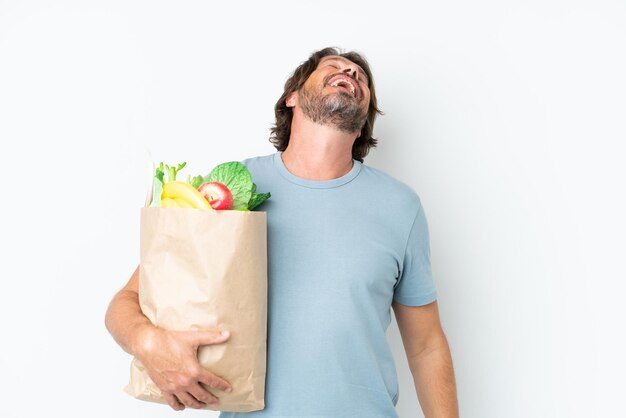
pixel 342 103
pixel 337 109
pixel 344 96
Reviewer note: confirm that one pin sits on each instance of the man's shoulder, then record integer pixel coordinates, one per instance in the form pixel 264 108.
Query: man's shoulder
pixel 262 169
pixel 258 161
pixel 390 187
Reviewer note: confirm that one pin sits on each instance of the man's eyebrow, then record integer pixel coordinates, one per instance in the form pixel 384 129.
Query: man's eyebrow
pixel 339 60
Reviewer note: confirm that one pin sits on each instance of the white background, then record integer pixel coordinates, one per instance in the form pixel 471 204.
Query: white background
pixel 507 118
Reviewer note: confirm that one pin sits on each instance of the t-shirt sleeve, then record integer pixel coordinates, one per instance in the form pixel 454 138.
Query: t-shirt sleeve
pixel 415 285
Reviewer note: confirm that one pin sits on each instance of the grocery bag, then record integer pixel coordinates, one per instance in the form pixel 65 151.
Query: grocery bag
pixel 207 270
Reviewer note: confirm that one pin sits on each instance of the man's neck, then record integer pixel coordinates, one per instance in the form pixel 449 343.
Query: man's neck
pixel 318 152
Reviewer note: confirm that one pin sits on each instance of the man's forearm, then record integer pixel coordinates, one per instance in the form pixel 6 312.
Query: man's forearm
pixel 433 375
pixel 125 321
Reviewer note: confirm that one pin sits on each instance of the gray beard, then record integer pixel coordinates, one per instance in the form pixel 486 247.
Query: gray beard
pixel 339 110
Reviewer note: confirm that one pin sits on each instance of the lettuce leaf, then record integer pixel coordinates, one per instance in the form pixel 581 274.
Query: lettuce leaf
pixel 237 178
pixel 195 181
pixel 257 199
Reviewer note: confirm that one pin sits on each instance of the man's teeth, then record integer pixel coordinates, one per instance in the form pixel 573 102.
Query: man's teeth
pixel 344 83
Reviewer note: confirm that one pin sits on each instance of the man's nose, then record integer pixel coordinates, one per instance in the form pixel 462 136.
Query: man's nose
pixel 351 71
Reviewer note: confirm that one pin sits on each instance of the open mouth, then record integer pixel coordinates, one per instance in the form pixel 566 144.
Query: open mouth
pixel 344 84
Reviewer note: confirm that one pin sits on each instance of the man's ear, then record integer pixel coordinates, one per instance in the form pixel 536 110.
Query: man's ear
pixel 291 99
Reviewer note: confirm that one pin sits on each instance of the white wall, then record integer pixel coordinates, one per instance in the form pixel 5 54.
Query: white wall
pixel 506 117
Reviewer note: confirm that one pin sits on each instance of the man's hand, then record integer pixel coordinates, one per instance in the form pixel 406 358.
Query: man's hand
pixel 170 359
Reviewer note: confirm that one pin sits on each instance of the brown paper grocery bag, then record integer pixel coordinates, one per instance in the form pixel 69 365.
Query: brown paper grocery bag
pixel 207 270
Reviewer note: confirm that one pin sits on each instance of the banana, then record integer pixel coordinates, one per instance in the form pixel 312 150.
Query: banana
pixel 170 203
pixel 181 191
pixel 183 203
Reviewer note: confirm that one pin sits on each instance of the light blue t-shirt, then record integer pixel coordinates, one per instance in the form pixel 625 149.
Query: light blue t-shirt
pixel 339 251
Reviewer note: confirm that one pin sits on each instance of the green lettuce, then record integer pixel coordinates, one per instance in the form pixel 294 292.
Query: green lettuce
pixel 257 199
pixel 196 181
pixel 238 179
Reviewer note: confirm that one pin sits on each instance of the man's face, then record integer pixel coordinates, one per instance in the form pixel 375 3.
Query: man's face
pixel 336 94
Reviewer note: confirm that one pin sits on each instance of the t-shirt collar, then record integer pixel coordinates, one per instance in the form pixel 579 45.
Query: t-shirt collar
pixel 316 184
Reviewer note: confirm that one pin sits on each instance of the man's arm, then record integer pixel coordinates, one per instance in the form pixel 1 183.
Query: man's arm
pixel 170 357
pixel 124 319
pixel 429 359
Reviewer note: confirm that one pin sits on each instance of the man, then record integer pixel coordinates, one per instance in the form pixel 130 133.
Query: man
pixel 346 243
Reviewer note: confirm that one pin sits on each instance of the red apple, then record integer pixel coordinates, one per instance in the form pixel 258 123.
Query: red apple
pixel 218 195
